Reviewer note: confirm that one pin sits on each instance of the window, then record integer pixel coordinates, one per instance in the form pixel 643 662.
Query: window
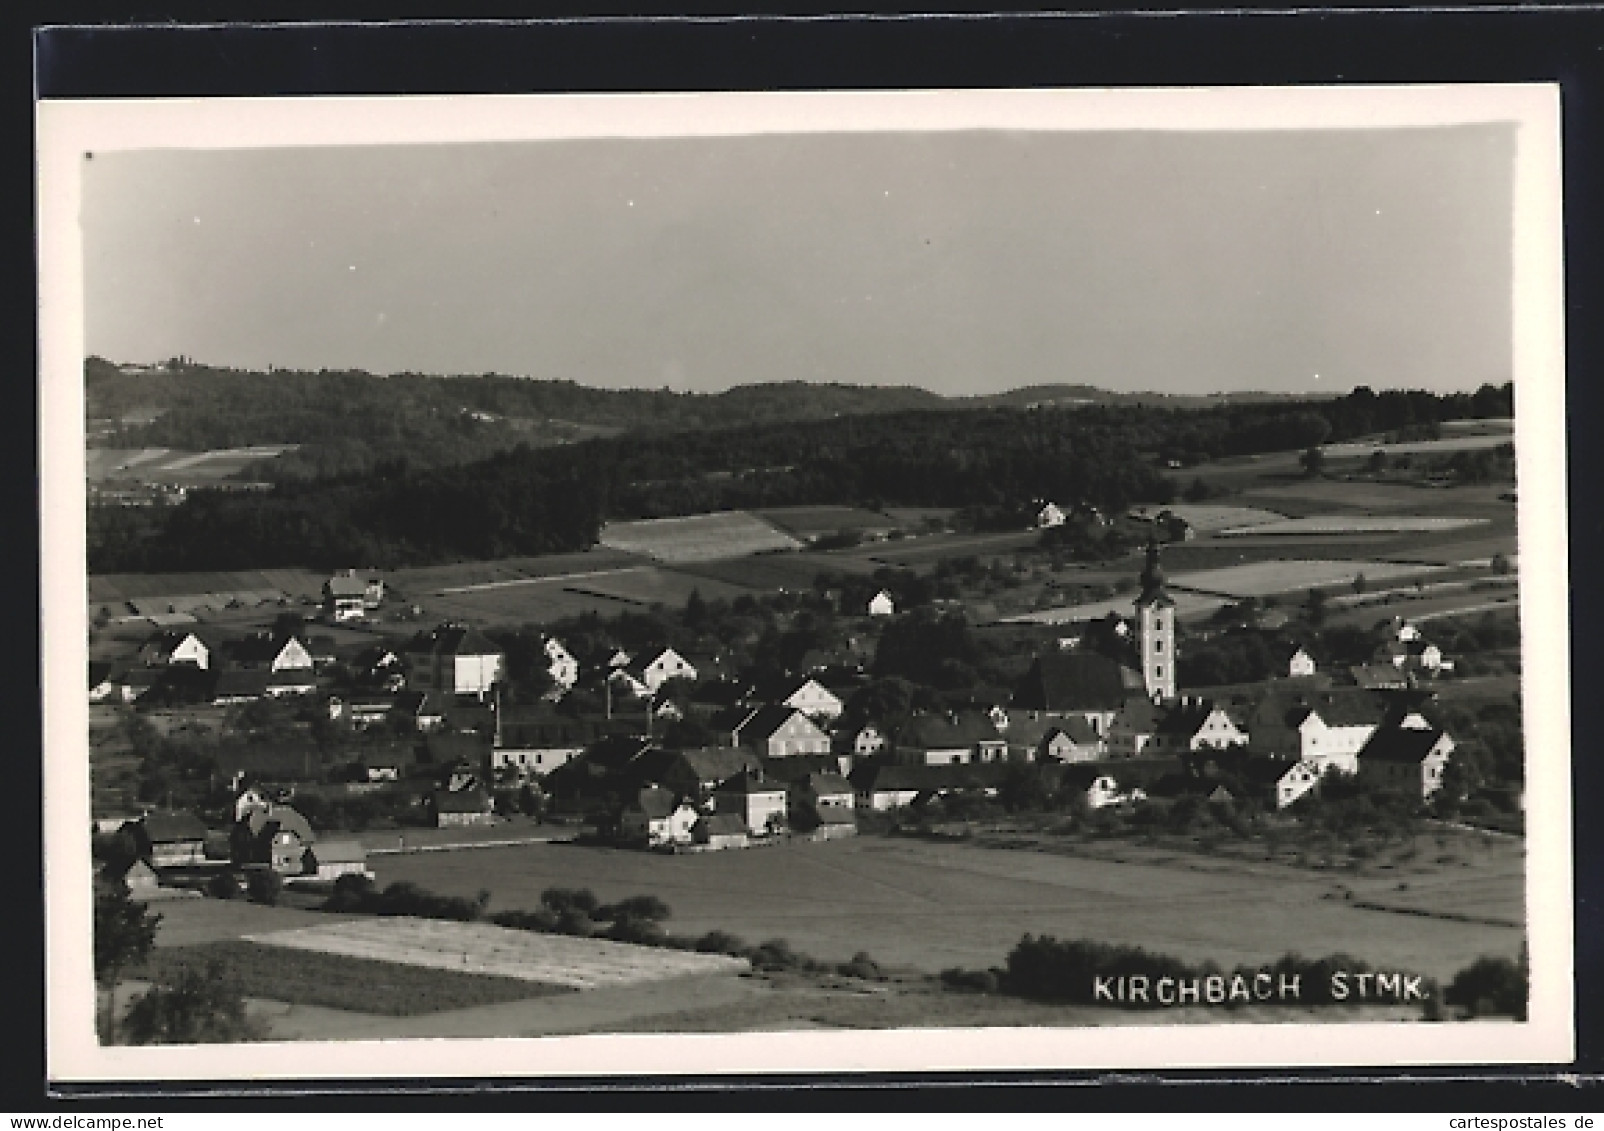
pixel 1158 645
pixel 1158 672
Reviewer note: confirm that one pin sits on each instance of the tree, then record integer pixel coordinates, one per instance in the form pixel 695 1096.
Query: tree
pixel 1360 583
pixel 197 1005
pixel 1313 461
pixel 1315 609
pixel 264 886
pixel 124 934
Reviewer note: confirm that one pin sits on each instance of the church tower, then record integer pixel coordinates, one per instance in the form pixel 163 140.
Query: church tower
pixel 1155 630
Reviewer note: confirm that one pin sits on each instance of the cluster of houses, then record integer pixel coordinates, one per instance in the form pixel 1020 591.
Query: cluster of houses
pixel 789 758
pixel 175 847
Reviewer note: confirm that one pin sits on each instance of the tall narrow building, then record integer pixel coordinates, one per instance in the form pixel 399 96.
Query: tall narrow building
pixel 1155 630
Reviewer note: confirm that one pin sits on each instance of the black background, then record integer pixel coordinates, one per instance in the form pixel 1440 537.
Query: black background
pixel 84 50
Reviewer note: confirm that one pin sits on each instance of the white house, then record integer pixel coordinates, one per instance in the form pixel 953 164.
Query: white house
pixel 345 597
pixel 171 649
pixel 812 698
pixel 664 666
pixel 1408 757
pixel 1050 515
pixel 561 665
pixel 1300 664
pixel 881 605
pixel 1193 724
pixel 453 660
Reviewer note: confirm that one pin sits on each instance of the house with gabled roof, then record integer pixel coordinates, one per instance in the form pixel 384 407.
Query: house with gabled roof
pixel 539 741
pixel 1134 726
pixel 646 674
pixel 472 805
pixel 330 859
pixel 1191 724
pixel 1410 758
pixel 858 742
pixel 720 830
pixel 655 817
pixel 167 649
pixel 1328 729
pixel 776 731
pixel 958 739
pixel 761 804
pixel 560 663
pixel 1297 661
pixel 169 838
pixel 345 597
pixel 820 795
pixel 694 773
pixel 264 651
pixel 1035 737
pixel 812 698
pixel 454 659
pixel 271 834
pixel 881 605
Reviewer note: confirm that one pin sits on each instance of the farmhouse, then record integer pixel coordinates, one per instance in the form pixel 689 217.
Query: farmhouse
pixel 468 806
pixel 693 773
pixel 860 742
pixel 881 605
pixel 273 835
pixel 818 794
pixel 1134 727
pixel 169 839
pixel 266 652
pixel 776 732
pixel 169 649
pixel 1033 737
pixel 332 859
pixel 882 787
pixel 345 597
pixel 656 817
pixel 940 740
pixel 645 677
pixel 539 742
pixel 560 663
pixel 1329 730
pixel 1299 664
pixel 1049 516
pixel 720 830
pixel 761 805
pixel 1192 724
pixel 813 699
pixel 453 659
pixel 1407 756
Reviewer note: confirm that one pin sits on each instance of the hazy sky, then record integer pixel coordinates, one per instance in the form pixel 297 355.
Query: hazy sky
pixel 962 262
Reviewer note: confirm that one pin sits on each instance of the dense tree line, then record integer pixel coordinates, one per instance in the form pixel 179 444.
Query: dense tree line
pixel 533 500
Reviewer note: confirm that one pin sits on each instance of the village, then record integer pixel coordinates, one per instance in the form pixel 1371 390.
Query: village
pixel 806 753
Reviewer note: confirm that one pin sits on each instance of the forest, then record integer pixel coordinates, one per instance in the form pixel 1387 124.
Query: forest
pixel 533 500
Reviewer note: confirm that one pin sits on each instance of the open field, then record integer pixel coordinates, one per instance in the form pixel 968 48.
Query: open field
pixel 118 587
pixel 924 552
pixel 1420 447
pixel 1206 518
pixel 338 981
pixel 421 580
pixel 697 538
pixel 165 465
pixel 1298 496
pixel 809 522
pixel 483 948
pixel 650 586
pixel 792 571
pixel 1186 605
pixel 1352 524
pixel 1260 579
pixel 932 905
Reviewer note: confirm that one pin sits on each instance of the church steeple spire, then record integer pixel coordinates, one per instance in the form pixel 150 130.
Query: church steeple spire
pixel 1155 619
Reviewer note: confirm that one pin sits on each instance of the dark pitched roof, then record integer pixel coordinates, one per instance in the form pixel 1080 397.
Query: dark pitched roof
pixel 1141 715
pixel 453 640
pixel 99 672
pixel 721 824
pixel 471 800
pixel 284 818
pixel 926 779
pixel 1399 744
pixel 748 783
pixel 655 803
pixel 760 725
pixel 546 729
pixel 793 768
pixel 820 784
pixel 1184 719
pixel 344 585
pixel 340 852
pixel 165 827
pixel 291 677
pixel 836 815
pixel 942 732
pixel 1077 681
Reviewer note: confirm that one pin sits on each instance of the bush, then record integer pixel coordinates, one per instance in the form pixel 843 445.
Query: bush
pixel 776 954
pixel 645 907
pixel 980 981
pixel 263 885
pixel 721 942
pixel 1491 987
pixel 352 892
pixel 561 900
pixel 196 1006
pixel 545 920
pixel 224 885
pixel 861 966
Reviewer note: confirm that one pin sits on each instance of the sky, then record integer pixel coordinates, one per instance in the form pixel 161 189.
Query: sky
pixel 964 262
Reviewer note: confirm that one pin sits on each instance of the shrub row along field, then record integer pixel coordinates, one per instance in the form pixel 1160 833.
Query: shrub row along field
pixel 697 538
pixel 340 981
pixel 482 948
pixel 164 465
pixel 1353 524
